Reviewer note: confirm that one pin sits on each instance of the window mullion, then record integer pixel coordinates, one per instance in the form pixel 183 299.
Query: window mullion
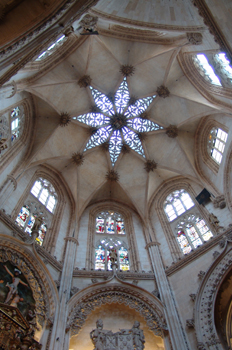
pixel 188 239
pixel 199 234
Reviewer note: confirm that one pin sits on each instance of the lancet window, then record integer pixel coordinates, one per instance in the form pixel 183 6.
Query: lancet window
pixel 103 250
pixel 52 48
pixel 45 193
pixel 11 127
pixel 26 220
pixel 176 203
pixel 191 232
pixel 216 144
pixel 215 68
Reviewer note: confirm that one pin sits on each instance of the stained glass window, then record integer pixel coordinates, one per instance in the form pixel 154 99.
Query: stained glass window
pixel 216 144
pixel 192 231
pixel 118 121
pixel 52 48
pixel 102 254
pixel 110 222
pixel 206 69
pixel 177 203
pixel 26 221
pixel 45 193
pixel 11 126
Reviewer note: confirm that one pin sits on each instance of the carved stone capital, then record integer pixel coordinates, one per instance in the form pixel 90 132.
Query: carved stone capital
pixel 194 38
pixel 219 202
pixel 71 239
pixel 13 180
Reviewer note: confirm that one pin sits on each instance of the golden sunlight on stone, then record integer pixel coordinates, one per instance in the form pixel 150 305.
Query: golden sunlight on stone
pixel 114 317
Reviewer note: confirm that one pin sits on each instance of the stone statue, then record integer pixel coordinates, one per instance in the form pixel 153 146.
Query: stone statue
pixel 113 256
pixel 97 336
pixel 138 337
pixel 38 222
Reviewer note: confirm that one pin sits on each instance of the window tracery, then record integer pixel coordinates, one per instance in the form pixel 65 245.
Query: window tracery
pixel 45 193
pixel 215 68
pixel 102 254
pixel 118 121
pixel 26 220
pixel 110 225
pixel 11 127
pixel 51 48
pixel 216 144
pixel 176 203
pixel 191 232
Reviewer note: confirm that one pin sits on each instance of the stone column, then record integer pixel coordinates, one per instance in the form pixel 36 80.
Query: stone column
pixel 58 340
pixel 7 188
pixel 176 332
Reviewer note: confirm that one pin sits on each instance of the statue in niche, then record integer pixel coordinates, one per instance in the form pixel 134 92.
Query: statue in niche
pixel 113 256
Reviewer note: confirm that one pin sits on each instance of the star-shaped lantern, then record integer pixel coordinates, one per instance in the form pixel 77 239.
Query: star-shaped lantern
pixel 119 121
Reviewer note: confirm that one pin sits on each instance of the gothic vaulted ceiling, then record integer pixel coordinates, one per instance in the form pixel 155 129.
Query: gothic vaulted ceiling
pixel 135 34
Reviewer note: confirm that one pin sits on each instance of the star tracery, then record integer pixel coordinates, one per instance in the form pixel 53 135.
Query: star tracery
pixel 118 122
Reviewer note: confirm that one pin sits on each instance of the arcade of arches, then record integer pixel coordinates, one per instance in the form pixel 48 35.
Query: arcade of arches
pixel 115 172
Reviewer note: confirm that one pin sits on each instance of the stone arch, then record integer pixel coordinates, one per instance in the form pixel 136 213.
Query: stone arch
pixel 83 303
pixel 132 245
pixel 204 309
pixel 35 272
pixel 158 199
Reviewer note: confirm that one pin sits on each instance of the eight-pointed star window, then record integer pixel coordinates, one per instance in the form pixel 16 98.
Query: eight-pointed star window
pixel 119 121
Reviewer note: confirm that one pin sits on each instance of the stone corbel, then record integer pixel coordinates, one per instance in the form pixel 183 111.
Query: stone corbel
pixel 219 202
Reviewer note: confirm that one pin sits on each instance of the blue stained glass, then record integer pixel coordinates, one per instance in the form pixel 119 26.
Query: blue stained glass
pixel 133 141
pixel 115 146
pixel 143 125
pixel 139 107
pixel 122 97
pixel 99 137
pixel 102 101
pixel 93 119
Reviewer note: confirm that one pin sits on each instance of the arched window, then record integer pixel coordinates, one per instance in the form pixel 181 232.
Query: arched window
pixel 216 144
pixel 102 254
pixel 52 48
pixel 26 220
pixel 110 222
pixel 11 127
pixel 215 68
pixel 177 203
pixel 191 232
pixel 45 193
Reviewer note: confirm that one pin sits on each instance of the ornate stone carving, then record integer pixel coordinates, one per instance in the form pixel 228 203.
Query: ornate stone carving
pixel 194 38
pixel 201 346
pixel 77 158
pixel 65 119
pixel 172 131
pixel 201 274
pixel 125 148
pixel 132 100
pixel 89 24
pixel 127 70
pixel 112 176
pixel 216 254
pixel 190 323
pixel 73 291
pixel 193 296
pixel 150 165
pixel 219 202
pixel 77 316
pixel 84 81
pixel 94 280
pixel 222 243
pixel 162 91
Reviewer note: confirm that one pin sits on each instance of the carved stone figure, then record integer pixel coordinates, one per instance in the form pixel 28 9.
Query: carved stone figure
pixel 98 336
pixel 138 336
pixel 13 286
pixel 38 222
pixel 113 256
